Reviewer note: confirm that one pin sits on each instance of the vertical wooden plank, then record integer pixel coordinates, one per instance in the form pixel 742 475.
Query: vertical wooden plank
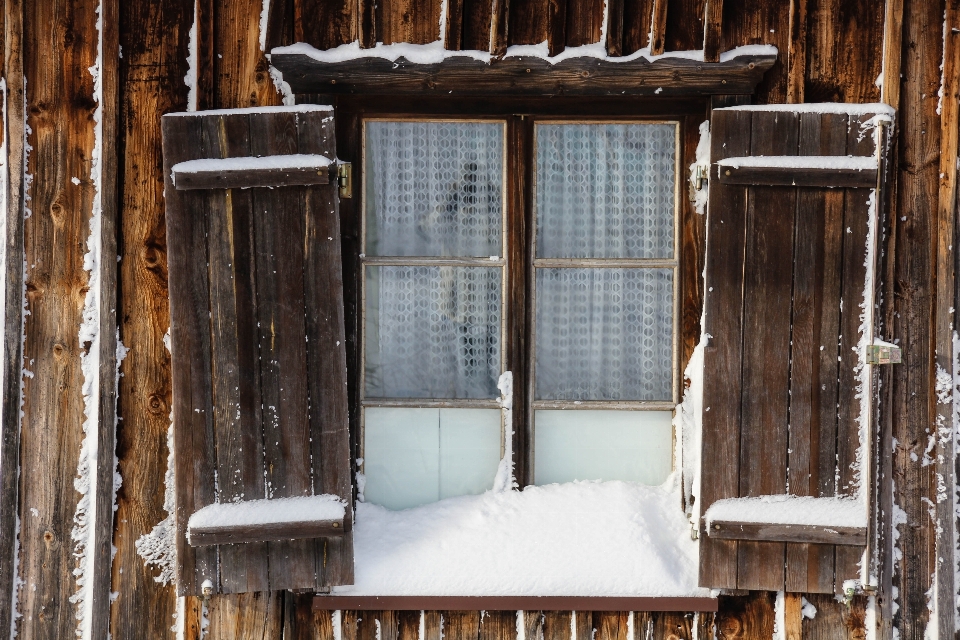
pixel 235 356
pixel 13 260
pixel 326 24
pixel 760 22
pixel 302 622
pixel 720 450
pixel 614 41
pixel 584 22
pixel 612 625
pixel 797 52
pixel 461 625
pixel 746 617
pixel 498 625
pixel 190 354
pixel 684 27
pixel 712 30
pixel 432 625
pixel 844 51
pixel 767 291
pixel 408 625
pixel 326 347
pixel 242 72
pixel 658 28
pixel 453 25
pixel 245 616
pixel 477 22
pixel 672 625
pixel 583 625
pixel 706 626
pixel 892 52
pixel 557 625
pixel 278 232
pixel 154 40
pixel 556 26
pixel 835 620
pixel 693 231
pixel 816 325
pixel 499 23
pixel 636 25
pixel 413 21
pixel 528 22
pixel 280 24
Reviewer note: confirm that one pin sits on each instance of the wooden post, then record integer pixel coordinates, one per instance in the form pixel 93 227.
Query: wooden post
pixel 658 28
pixel 712 30
pixel 797 51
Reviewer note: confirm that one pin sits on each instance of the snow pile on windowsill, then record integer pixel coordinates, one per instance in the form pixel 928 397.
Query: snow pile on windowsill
pixel 249 163
pixel 574 539
pixel 254 512
pixel 853 163
pixel 435 53
pixel 785 509
pixel 841 108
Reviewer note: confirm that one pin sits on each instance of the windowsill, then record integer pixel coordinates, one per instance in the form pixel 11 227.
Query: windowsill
pixel 579 541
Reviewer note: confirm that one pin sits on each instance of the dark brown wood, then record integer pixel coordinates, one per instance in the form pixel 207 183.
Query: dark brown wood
pixel 529 21
pixel 768 280
pixel 513 603
pixel 684 28
pixel 498 625
pixel 533 625
pixel 799 177
pixel 614 41
pixel 499 23
pixel 251 616
pixel 712 30
pixel 584 22
pixel 788 533
pixel 636 25
pixel 232 534
pixel 556 26
pixel 837 67
pixel 413 21
pixel 329 23
pixel 518 76
pixel 453 35
pixel 760 22
pixel 797 52
pixel 835 620
pixel 556 625
pixel 746 617
pixel 723 354
pixel 303 622
pixel 477 20
pixel 241 71
pixel 461 624
pixel 228 178
pixel 658 27
pixel 613 625
pixel 693 232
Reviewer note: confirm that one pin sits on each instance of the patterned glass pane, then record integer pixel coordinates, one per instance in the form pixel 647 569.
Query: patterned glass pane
pixel 605 190
pixel 434 188
pixel 604 334
pixel 432 332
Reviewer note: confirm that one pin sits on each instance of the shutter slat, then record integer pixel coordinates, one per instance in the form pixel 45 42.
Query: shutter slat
pixel 774 171
pixel 241 171
pixel 774 532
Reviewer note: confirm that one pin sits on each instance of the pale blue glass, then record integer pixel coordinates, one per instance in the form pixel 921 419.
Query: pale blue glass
pixel 583 444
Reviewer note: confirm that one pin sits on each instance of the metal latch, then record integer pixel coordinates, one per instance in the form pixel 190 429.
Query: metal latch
pixel 699 175
pixel 883 353
pixel 345 179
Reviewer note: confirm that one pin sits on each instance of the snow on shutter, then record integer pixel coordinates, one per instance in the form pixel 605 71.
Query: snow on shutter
pixel 789 311
pixel 259 366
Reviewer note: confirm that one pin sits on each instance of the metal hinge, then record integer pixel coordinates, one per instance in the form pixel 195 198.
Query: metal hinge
pixel 883 353
pixel 345 179
pixel 698 180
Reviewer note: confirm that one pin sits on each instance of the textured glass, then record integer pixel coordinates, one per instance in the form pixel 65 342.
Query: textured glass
pixel 635 446
pixel 604 334
pixel 434 188
pixel 432 332
pixel 414 456
pixel 605 190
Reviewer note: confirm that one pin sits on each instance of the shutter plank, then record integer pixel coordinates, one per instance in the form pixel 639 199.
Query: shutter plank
pixel 722 357
pixel 856 221
pixel 279 228
pixel 326 348
pixel 236 411
pixel 813 390
pixel 767 291
pixel 186 217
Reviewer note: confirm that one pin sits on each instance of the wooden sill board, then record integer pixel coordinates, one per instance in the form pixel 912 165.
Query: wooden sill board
pixel 224 173
pixel 523 76
pixel 511 603
pixel 205 536
pixel 799 177
pixel 815 534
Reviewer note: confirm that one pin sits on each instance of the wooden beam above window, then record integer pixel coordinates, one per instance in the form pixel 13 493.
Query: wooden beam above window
pixel 522 75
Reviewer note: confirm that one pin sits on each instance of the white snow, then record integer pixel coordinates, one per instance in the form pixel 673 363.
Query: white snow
pixel 159 546
pixel 297 108
pixel 779 621
pixel 264 18
pixel 254 512
pixel 786 509
pixel 808 610
pixel 820 107
pixel 853 163
pixel 435 53
pixel 702 160
pixel 505 480
pixel 295 161
pixel 193 61
pixel 575 539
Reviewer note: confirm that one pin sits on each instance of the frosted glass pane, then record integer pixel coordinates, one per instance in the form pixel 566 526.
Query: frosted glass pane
pixel 604 334
pixel 400 458
pixel 579 444
pixel 434 188
pixel 469 450
pixel 432 332
pixel 605 190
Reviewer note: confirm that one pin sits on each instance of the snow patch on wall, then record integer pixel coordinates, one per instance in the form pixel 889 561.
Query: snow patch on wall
pixel 779 622
pixel 159 546
pixel 264 19
pixel 955 393
pixel 193 61
pixel 505 480
pixel 702 160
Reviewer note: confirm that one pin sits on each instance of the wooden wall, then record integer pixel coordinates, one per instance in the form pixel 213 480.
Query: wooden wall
pixel 829 50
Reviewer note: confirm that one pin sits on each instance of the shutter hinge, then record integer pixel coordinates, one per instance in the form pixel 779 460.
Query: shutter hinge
pixel 883 353
pixel 345 179
pixel 699 175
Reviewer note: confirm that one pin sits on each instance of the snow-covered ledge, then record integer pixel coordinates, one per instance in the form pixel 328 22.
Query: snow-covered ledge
pixel 785 518
pixel 526 70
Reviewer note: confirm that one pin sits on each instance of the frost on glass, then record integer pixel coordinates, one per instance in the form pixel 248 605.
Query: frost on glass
pixel 434 188
pixel 605 190
pixel 414 456
pixel 604 334
pixel 432 332
pixel 634 446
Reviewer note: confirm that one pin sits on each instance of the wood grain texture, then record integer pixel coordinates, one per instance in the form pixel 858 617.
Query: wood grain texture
pixel 746 617
pixel 584 22
pixel 844 51
pixel 326 24
pixel 684 28
pixel 812 177
pixel 303 622
pixel 760 22
pixel 13 258
pixel 636 25
pixel 712 30
pixel 658 27
pixel 59 40
pixel 246 178
pixel 151 73
pixel 244 616
pixel 835 620
pixel 892 52
pixel 477 22
pixel 275 531
pixel 517 76
pixel 413 21
pixel 788 533
pixel 528 21
pixel 614 42
pixel 453 26
pixel 797 51
pixel 556 26
pixel 556 625
pixel 499 25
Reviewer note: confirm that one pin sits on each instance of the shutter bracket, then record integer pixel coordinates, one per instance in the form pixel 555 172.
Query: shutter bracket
pixel 345 179
pixel 883 353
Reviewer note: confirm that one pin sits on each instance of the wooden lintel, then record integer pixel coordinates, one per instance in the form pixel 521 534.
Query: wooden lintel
pixel 814 534
pixel 524 76
pixel 510 603
pixel 799 177
pixel 246 178
pixel 206 536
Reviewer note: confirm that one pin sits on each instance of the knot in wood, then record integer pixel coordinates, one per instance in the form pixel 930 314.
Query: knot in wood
pixel 155 403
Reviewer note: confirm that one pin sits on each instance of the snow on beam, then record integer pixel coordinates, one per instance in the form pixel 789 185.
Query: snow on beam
pixel 789 519
pixel 800 171
pixel 264 520
pixel 242 173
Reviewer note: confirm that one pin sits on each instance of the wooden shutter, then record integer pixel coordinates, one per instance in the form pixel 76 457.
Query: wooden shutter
pixel 785 278
pixel 257 328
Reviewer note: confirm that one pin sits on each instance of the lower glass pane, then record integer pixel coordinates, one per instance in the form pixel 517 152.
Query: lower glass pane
pixel 580 444
pixel 415 456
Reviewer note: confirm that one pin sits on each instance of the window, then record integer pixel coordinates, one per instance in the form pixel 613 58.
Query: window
pixel 599 276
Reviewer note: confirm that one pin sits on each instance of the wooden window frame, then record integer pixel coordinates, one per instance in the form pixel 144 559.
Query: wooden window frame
pixel 520 116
